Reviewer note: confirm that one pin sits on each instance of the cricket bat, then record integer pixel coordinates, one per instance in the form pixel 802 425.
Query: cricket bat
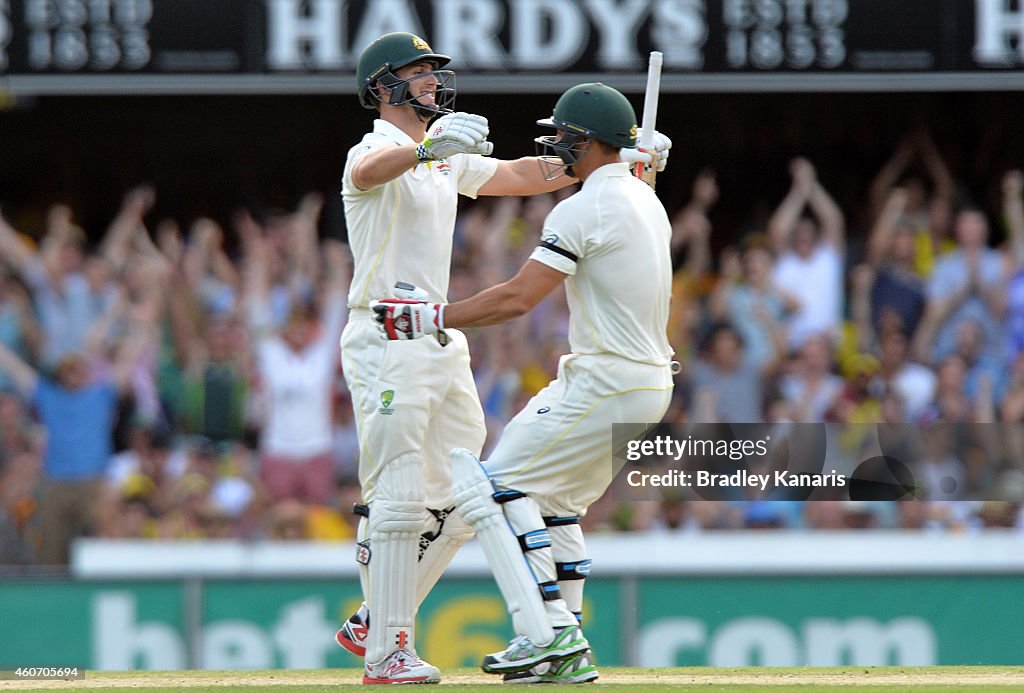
pixel 647 172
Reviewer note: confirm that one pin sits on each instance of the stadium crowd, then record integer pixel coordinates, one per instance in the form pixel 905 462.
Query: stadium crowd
pixel 210 355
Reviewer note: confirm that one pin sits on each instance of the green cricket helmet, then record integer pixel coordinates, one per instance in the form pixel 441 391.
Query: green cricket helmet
pixel 585 113
pixel 381 59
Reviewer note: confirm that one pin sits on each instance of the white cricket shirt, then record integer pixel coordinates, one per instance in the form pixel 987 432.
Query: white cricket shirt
pixel 402 230
pixel 612 239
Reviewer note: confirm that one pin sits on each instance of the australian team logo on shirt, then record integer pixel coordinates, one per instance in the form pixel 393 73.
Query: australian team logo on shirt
pixel 386 398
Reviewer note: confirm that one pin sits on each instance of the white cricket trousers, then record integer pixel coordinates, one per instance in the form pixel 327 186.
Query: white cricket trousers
pixel 410 397
pixel 558 449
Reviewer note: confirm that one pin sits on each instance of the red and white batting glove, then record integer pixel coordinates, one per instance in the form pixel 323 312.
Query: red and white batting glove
pixel 409 316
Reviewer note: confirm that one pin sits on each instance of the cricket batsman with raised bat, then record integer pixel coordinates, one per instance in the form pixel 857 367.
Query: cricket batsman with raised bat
pixel 609 243
pixel 413 401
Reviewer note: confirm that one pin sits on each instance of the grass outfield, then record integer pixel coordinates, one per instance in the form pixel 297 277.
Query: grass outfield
pixel 777 680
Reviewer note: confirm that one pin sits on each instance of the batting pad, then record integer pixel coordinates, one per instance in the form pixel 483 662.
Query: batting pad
pixel 437 548
pixel 363 553
pixel 473 499
pixel 571 563
pixel 534 539
pixel 397 516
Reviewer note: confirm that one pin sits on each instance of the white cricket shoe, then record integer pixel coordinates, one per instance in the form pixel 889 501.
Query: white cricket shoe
pixel 352 635
pixel 522 654
pixel 401 666
pixel 577 668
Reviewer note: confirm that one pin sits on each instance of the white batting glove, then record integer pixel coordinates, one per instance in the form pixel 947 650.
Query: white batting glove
pixel 658 153
pixel 456 133
pixel 408 315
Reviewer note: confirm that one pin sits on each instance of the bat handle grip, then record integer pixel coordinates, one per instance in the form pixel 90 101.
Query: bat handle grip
pixel 651 101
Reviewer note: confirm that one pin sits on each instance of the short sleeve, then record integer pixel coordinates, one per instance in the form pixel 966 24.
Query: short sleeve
pixel 473 171
pixel 368 144
pixel 562 242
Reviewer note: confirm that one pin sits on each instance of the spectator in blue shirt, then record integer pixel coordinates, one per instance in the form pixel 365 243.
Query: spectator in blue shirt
pixel 78 413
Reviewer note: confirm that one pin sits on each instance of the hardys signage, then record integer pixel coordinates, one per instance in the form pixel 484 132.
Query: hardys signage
pixel 532 45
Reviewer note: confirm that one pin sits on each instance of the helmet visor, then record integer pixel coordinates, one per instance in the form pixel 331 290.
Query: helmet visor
pixel 432 92
pixel 557 153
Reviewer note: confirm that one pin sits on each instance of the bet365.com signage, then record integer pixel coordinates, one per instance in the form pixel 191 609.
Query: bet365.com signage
pixel 266 46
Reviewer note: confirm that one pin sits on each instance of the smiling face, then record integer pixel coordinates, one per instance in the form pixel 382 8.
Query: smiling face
pixel 428 91
pixel 422 82
pixel 386 65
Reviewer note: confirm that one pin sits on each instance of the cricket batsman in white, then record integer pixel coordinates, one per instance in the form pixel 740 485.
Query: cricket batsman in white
pixel 609 243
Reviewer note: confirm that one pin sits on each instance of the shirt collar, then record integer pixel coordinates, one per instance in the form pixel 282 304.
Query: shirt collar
pixel 383 127
pixel 616 170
